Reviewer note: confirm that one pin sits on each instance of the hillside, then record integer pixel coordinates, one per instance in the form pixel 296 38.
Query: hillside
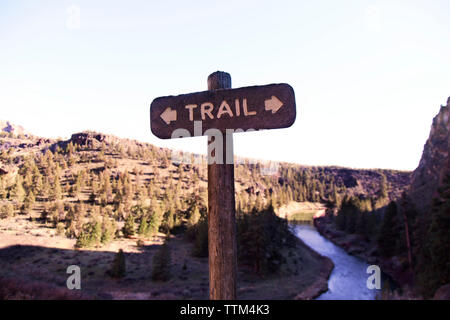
pixel 99 194
pixel 95 152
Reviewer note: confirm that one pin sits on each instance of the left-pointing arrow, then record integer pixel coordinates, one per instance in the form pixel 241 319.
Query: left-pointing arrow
pixel 169 115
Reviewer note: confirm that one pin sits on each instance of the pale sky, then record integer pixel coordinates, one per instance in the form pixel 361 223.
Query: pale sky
pixel 368 76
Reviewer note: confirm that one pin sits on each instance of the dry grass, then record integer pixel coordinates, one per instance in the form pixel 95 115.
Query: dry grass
pixel 13 289
pixel 32 255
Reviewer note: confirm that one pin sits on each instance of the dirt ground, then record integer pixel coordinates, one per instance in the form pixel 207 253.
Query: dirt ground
pixel 30 251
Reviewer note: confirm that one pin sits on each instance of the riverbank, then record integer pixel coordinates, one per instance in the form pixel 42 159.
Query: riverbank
pixel 395 268
pixel 320 284
pixel 353 244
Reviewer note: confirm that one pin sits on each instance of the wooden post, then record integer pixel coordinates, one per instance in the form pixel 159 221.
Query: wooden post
pixel 221 213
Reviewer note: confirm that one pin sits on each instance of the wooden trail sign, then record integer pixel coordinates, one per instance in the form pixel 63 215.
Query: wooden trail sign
pixel 259 107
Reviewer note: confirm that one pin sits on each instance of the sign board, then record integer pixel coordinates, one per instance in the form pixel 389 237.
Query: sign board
pixel 258 107
pixel 221 108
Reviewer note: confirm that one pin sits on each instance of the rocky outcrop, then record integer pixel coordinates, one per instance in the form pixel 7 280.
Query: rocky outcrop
pixel 87 140
pixel 434 163
pixel 6 126
pixel 367 182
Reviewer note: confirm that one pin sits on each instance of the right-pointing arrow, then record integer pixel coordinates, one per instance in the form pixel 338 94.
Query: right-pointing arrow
pixel 169 115
pixel 273 104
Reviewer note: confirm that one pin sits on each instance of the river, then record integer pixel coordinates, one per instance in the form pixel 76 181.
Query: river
pixel 348 278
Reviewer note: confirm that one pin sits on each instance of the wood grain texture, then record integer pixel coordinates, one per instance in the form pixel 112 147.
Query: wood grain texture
pixel 221 216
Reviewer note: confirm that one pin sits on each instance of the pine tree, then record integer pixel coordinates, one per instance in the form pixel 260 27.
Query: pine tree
pixel 57 212
pixel 84 239
pixel 169 218
pixel 258 202
pixel 118 268
pixel 437 243
pixel 194 215
pixel 155 219
pixel 143 227
pixel 2 189
pixel 128 229
pixel 262 237
pixel 56 191
pixel 18 192
pixel 108 231
pixel 38 184
pixel 201 238
pixel 45 191
pixel 341 218
pixel 362 223
pixel 28 181
pixel 161 263
pixel 383 186
pixel 29 202
pixel 387 238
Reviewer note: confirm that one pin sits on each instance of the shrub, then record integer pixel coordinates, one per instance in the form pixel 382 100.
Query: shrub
pixel 6 210
pixel 140 243
pixel 60 229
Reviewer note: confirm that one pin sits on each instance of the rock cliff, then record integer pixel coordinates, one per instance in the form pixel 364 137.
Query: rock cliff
pixel 434 163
